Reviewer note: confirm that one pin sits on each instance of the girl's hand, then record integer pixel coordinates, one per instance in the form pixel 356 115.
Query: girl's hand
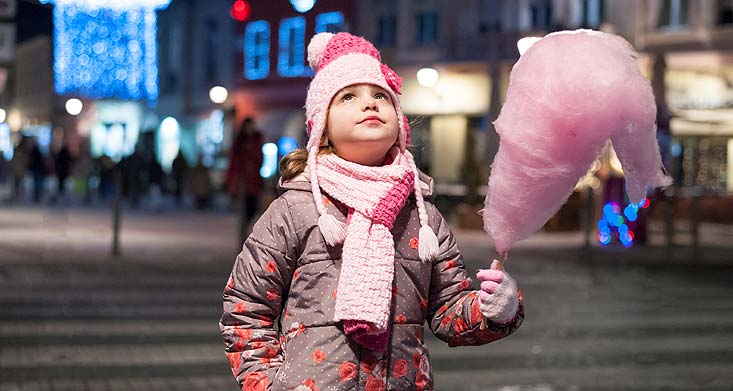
pixel 499 294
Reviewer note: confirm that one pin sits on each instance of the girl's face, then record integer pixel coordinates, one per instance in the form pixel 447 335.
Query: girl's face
pixel 362 124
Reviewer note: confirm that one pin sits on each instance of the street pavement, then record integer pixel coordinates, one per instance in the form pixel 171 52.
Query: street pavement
pixel 74 318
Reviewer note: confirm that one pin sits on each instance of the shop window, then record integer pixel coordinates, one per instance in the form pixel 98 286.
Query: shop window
pixel 591 13
pixel 541 15
pixel 426 27
pixel 257 50
pixel 725 12
pixel 673 14
pixel 490 16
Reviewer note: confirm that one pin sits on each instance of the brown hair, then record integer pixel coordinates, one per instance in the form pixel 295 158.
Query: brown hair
pixel 294 163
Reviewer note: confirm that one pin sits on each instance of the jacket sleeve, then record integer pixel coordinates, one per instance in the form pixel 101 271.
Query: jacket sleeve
pixel 253 298
pixel 454 308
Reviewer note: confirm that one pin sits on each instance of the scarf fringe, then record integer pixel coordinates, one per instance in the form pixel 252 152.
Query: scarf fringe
pixel 333 231
pixel 428 244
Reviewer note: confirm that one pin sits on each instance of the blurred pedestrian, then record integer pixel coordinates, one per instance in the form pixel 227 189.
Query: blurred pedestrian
pixel 179 170
pixel 134 176
pixel 200 184
pixel 62 167
pixel 19 165
pixel 156 180
pixel 4 164
pixel 244 182
pixel 107 182
pixel 39 170
pixel 84 171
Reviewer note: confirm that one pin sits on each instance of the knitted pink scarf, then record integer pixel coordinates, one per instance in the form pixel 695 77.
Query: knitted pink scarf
pixel 374 195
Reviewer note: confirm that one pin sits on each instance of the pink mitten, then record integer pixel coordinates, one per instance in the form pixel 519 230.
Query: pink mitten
pixel 499 294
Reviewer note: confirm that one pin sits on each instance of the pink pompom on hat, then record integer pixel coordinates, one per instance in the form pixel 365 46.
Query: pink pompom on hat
pixel 341 60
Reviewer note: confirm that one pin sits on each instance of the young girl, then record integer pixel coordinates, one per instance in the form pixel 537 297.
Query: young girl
pixel 347 259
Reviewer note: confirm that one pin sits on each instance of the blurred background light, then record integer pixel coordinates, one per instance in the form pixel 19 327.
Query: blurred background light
pixel 303 6
pixel 106 48
pixel 74 106
pixel 269 161
pixel 218 94
pixel 427 77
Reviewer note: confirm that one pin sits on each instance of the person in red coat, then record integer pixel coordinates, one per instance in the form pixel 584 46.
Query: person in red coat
pixel 243 174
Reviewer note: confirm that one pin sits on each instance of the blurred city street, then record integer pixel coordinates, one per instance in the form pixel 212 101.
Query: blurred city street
pixel 140 139
pixel 74 318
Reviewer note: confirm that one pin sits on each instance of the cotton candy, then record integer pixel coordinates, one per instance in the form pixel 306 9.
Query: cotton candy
pixel 568 95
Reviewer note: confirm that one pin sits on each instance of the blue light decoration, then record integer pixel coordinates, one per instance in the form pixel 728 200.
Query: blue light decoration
pixel 303 6
pixel 6 145
pixel 291 45
pixel 106 48
pixel 269 160
pixel 331 22
pixel 291 54
pixel 614 225
pixel 286 144
pixel 209 136
pixel 169 142
pixel 257 50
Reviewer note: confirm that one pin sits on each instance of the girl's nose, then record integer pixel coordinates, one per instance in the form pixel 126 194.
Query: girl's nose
pixel 371 104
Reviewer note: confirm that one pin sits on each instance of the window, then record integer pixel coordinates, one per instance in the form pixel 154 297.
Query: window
pixel 591 13
pixel 490 16
pixel 541 15
pixel 257 50
pixel 725 12
pixel 291 54
pixel 426 28
pixel 673 14
pixel 211 54
pixel 174 58
pixel 386 31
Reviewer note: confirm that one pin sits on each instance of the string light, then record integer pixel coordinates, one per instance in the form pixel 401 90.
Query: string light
pixel 613 224
pixel 106 48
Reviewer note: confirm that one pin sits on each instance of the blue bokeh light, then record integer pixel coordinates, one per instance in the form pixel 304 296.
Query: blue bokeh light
pixel 106 49
pixel 614 224
pixel 291 52
pixel 257 50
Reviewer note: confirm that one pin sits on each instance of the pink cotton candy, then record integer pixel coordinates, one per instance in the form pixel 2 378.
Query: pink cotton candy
pixel 568 94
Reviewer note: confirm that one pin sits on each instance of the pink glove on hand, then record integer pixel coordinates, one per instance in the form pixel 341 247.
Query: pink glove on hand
pixel 499 294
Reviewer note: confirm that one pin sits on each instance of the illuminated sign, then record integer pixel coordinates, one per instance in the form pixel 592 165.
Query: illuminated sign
pixel 291 48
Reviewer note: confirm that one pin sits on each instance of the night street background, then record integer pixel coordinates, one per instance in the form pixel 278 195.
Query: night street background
pixel 72 318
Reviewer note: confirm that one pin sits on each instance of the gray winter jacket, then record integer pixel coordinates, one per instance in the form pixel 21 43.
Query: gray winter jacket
pixel 286 273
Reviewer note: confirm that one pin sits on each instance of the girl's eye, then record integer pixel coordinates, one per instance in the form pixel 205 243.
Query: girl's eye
pixel 380 95
pixel 347 97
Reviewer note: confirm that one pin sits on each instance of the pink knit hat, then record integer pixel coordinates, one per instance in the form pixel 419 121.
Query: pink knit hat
pixel 341 60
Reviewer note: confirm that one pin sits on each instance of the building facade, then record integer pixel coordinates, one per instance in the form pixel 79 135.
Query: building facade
pixel 472 44
pixel 688 53
pixel 272 68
